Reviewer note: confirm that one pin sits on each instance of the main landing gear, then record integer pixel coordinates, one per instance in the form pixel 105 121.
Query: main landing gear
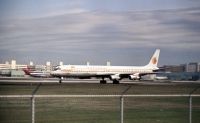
pixel 103 81
pixel 115 81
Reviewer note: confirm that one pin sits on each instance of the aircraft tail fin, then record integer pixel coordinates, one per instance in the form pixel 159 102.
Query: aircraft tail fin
pixel 154 59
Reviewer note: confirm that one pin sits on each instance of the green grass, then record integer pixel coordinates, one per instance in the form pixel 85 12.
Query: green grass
pixel 15 110
pixel 98 89
pixel 155 115
pixel 98 110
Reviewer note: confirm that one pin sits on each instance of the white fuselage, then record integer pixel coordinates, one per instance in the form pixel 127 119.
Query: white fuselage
pixel 87 70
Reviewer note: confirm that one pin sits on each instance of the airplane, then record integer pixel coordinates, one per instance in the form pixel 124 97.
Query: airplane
pixel 36 73
pixel 114 73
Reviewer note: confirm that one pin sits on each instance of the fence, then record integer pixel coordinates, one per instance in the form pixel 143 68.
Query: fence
pixel 120 97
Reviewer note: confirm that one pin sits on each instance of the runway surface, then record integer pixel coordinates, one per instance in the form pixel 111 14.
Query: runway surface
pixel 28 80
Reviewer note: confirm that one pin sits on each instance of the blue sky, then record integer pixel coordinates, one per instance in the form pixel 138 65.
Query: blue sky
pixel 124 32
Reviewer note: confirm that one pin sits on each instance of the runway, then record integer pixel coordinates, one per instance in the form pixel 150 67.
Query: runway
pixel 32 80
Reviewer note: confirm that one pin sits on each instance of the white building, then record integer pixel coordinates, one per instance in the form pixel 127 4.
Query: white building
pixel 12 66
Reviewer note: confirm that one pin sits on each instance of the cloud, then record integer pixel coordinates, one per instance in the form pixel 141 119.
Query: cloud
pixel 83 32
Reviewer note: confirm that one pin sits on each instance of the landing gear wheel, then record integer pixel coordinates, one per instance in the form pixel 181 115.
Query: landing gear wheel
pixel 60 80
pixel 103 82
pixel 115 81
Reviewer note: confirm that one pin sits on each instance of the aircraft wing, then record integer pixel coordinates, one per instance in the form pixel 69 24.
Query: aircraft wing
pixel 125 75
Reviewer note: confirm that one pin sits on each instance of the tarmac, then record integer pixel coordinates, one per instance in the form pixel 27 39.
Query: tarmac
pixel 32 80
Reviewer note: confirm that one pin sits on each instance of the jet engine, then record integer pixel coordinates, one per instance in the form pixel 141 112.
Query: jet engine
pixel 134 77
pixel 115 77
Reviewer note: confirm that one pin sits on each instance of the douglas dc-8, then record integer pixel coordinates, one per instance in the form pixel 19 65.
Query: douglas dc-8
pixel 114 73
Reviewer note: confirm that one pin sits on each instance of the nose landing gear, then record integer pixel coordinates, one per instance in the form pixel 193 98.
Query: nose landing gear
pixel 60 80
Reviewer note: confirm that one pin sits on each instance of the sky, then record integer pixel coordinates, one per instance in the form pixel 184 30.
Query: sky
pixel 124 32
